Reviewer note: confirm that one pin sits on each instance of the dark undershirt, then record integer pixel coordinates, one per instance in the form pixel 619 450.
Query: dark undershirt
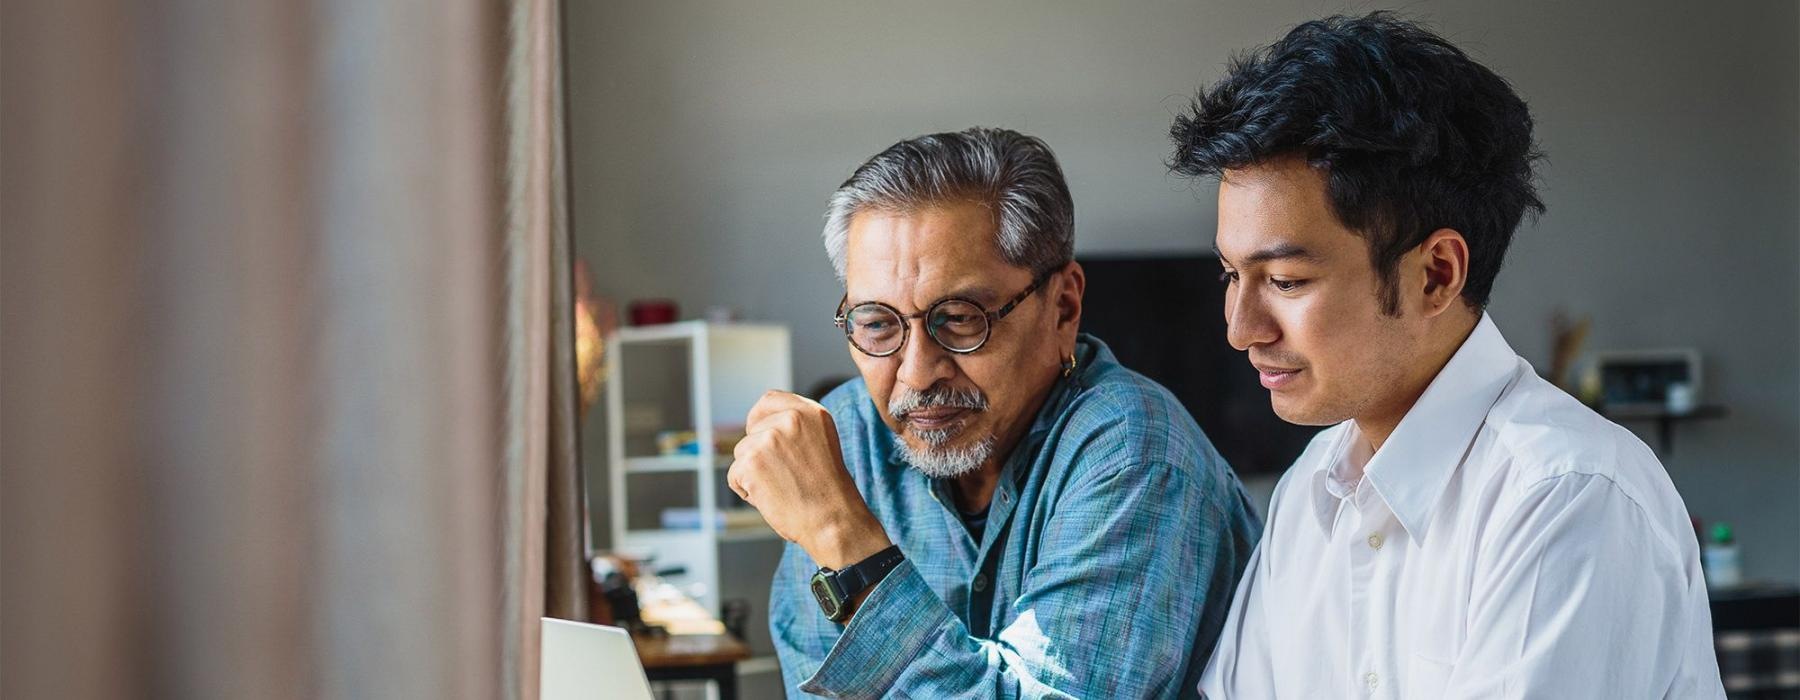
pixel 976 522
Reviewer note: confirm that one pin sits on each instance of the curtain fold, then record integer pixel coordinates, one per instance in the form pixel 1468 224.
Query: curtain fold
pixel 542 542
pixel 286 400
pixel 566 573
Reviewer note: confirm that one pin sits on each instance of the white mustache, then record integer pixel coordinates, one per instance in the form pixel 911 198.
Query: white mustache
pixel 908 401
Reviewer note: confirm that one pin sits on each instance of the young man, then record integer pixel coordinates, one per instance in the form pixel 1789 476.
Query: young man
pixel 1464 529
pixel 996 508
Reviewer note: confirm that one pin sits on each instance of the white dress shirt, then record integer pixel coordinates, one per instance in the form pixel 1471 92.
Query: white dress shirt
pixel 1504 542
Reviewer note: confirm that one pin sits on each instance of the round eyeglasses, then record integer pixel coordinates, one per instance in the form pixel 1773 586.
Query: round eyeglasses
pixel 958 325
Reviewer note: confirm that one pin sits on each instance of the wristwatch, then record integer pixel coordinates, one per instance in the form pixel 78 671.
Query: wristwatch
pixel 835 589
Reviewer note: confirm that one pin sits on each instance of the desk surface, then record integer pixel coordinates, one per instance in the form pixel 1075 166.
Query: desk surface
pixel 678 650
pixel 662 604
pixel 695 638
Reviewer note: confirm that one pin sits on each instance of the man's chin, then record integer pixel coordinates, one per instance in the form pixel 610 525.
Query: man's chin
pixel 1299 412
pixel 947 460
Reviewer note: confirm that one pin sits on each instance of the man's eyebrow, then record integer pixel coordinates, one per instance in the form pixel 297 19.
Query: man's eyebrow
pixel 1280 251
pixel 979 293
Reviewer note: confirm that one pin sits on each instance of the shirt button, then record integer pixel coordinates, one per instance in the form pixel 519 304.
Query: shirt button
pixel 980 582
pixel 1375 543
pixel 1371 680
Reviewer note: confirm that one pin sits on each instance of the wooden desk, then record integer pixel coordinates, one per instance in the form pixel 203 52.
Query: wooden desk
pixel 711 657
pixel 697 646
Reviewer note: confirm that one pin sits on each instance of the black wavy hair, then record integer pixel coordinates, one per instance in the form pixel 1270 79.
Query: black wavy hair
pixel 1412 134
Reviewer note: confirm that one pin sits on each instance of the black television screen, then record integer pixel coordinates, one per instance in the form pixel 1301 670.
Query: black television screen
pixel 1164 317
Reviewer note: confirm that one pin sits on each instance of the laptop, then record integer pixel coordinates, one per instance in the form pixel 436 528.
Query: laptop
pixel 589 662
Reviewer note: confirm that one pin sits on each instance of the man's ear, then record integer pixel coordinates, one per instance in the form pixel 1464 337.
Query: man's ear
pixel 1444 257
pixel 1066 298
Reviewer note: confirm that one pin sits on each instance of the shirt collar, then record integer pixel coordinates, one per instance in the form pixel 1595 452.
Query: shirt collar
pixel 1327 494
pixel 1415 464
pixel 1091 357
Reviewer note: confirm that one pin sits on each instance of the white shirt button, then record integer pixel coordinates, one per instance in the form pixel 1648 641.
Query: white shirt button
pixel 1371 680
pixel 1375 541
pixel 980 582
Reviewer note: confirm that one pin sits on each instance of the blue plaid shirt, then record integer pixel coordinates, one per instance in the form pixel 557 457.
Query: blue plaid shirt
pixel 1112 546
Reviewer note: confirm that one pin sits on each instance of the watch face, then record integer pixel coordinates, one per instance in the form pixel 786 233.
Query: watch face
pixel 821 589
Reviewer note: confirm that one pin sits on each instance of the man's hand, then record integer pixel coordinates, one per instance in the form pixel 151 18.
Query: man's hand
pixel 790 468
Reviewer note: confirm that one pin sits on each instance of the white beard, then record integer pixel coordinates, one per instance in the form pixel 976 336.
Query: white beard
pixel 940 462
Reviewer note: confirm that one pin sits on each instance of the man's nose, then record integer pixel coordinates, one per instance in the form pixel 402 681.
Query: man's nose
pixel 1247 321
pixel 923 362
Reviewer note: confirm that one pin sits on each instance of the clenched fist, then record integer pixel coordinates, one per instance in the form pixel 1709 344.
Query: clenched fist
pixel 789 467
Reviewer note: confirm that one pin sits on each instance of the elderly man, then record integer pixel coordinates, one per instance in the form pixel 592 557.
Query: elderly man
pixel 996 507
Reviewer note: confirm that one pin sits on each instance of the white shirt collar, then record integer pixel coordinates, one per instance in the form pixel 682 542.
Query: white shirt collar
pixel 1413 466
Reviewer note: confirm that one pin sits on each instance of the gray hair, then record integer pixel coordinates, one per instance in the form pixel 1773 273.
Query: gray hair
pixel 1012 174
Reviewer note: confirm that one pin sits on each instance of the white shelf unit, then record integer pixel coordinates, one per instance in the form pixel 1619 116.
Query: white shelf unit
pixel 696 376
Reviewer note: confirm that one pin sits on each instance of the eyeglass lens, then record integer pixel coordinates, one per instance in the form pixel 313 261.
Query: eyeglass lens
pixel 957 325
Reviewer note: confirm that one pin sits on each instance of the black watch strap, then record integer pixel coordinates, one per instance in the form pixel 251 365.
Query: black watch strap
pixel 859 577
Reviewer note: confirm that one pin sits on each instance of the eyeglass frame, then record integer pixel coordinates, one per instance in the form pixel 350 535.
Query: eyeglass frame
pixel 841 319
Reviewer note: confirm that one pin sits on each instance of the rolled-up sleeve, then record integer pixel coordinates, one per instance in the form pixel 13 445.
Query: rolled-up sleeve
pixel 1113 607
